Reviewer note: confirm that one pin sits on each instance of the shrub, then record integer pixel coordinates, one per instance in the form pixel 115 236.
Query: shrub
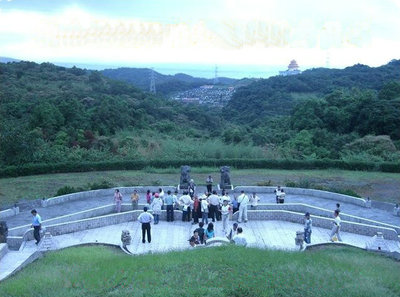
pixel 66 190
pixel 265 183
pixel 101 185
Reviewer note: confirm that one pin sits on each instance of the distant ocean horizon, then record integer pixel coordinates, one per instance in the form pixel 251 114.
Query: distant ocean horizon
pixel 196 70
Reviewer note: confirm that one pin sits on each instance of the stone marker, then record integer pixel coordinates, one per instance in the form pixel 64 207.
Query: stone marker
pixel 225 178
pixel 299 240
pixel 185 177
pixel 126 238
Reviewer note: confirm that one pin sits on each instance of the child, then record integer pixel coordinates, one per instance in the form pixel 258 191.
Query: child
pixel 232 232
pixel 200 231
pixel 225 208
pixel 194 240
pixel 336 227
pixel 307 228
pixel 209 232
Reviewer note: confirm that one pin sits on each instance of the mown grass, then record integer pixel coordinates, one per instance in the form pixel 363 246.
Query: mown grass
pixel 221 271
pixel 377 185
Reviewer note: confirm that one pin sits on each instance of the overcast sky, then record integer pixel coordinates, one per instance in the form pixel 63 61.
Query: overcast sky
pixel 261 32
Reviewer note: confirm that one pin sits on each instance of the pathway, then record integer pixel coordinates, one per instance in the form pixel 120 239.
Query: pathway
pixel 49 212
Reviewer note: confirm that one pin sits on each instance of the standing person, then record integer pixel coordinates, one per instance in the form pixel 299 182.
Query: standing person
pixel 225 196
pixel 307 228
pixel 117 200
pixel 156 206
pixel 232 232
pixel 277 192
pixel 254 201
pixel 161 194
pixel 185 201
pixel 169 202
pixel 225 209
pixel 336 226
pixel 176 203
pixel 148 197
pixel 145 219
pixel 209 182
pixel 36 225
pixel 196 210
pixel 204 210
pixel 135 200
pixel 338 207
pixel 239 238
pixel 191 188
pixel 214 204
pixel 243 201
pixel 235 205
pixel 209 232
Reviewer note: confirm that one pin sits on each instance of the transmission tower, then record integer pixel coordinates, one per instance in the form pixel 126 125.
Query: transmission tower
pixel 152 81
pixel 216 75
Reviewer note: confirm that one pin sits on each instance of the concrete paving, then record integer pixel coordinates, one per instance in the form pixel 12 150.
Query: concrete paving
pixel 174 236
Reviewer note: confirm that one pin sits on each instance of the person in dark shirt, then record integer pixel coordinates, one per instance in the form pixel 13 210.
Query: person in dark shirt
pixel 200 232
pixel 194 240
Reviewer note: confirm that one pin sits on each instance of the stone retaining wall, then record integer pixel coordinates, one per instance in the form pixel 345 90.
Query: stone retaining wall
pixel 14 242
pixel 125 191
pixel 317 211
pixel 9 212
pixel 289 216
pixel 304 192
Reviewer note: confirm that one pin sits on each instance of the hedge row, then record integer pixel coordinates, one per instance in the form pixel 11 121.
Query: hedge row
pixel 32 169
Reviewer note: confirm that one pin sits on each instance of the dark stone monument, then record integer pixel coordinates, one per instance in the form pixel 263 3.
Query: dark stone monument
pixel 3 232
pixel 185 177
pixel 225 178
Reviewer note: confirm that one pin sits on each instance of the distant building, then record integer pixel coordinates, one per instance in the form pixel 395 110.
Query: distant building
pixel 293 69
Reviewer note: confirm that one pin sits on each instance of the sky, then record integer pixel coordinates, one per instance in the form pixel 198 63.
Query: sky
pixel 245 33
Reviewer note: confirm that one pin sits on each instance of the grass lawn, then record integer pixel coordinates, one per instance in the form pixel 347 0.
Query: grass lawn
pixel 220 271
pixel 377 185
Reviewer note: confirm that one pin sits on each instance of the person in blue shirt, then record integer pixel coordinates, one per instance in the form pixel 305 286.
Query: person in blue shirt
pixel 36 225
pixel 209 232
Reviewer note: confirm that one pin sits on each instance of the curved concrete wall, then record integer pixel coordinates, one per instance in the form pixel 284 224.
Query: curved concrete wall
pixel 294 217
pixel 305 192
pixel 14 242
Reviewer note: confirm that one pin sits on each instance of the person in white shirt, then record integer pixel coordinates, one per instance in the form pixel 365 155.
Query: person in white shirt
pixel 254 201
pixel 185 201
pixel 214 204
pixel 239 238
pixel 243 201
pixel 277 192
pixel 145 219
pixel 336 226
pixel 204 210
pixel 225 208
pixel 225 196
pixel 156 206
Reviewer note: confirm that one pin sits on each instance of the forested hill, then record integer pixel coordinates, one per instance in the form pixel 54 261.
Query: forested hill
pixel 165 84
pixel 278 95
pixel 53 114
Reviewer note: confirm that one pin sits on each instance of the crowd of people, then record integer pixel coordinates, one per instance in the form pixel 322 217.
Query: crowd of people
pixel 208 208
